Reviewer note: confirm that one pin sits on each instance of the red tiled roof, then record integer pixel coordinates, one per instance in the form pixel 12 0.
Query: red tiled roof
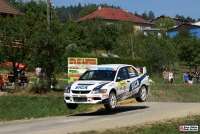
pixel 8 9
pixel 113 14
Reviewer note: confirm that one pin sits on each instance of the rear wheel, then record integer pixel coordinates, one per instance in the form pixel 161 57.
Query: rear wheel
pixel 142 94
pixel 72 106
pixel 112 102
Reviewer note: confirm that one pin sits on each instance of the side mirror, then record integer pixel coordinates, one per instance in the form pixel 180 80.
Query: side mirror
pixel 118 79
pixel 144 70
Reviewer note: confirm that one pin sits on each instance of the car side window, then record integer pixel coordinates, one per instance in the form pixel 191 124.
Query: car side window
pixel 132 72
pixel 122 74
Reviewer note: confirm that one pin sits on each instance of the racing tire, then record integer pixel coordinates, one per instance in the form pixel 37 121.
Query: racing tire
pixel 72 106
pixel 142 94
pixel 112 102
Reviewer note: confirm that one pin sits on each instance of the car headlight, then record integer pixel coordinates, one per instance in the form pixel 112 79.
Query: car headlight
pixel 97 91
pixel 68 88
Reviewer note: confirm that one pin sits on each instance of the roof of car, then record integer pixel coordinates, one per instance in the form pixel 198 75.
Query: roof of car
pixel 108 66
pixel 112 65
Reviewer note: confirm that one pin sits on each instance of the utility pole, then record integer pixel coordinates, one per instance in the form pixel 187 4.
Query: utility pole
pixel 49 56
pixel 132 47
pixel 48 13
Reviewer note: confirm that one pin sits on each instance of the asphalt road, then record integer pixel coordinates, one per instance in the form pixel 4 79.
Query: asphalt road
pixel 126 115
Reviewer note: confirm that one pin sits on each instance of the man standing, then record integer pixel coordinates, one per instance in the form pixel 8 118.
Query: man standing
pixel 38 73
pixel 196 76
pixel 165 76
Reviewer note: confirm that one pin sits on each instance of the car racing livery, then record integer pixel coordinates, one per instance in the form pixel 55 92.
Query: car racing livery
pixel 107 84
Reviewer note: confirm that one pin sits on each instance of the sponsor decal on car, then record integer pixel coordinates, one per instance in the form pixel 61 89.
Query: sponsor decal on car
pixel 100 86
pixel 142 77
pixel 102 68
pixel 122 83
pixel 120 88
pixel 134 85
pixel 81 87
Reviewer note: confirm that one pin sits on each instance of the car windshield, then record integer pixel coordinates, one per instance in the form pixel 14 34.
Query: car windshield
pixel 106 75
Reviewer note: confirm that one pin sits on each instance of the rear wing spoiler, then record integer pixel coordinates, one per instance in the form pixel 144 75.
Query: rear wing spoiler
pixel 144 70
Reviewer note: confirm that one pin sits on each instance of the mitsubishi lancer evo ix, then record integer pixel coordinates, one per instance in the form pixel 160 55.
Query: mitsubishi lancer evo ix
pixel 107 84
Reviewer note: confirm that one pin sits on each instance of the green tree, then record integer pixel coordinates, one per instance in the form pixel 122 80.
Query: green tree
pixel 188 48
pixel 109 34
pixel 136 14
pixel 93 30
pixel 49 40
pixel 151 15
pixel 76 34
pixel 44 44
pixel 158 50
pixel 166 23
pixel 87 10
pixel 16 3
pixel 126 40
pixel 144 15
pixel 15 46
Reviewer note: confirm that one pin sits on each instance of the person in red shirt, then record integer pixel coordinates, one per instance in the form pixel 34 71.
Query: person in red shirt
pixel 1 83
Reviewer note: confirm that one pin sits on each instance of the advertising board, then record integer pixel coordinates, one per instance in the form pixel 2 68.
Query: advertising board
pixel 77 66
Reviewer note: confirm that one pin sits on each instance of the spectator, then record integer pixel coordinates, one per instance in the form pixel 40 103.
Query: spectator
pixel 38 73
pixel 1 83
pixel 190 78
pixel 5 79
pixel 185 78
pixel 151 81
pixel 171 76
pixel 165 76
pixel 196 76
pixel 45 72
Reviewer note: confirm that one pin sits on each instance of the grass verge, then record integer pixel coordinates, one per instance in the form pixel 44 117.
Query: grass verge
pixel 26 106
pixel 175 93
pixel 31 106
pixel 160 127
pixel 17 107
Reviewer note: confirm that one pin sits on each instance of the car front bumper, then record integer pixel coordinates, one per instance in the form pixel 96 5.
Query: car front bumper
pixel 85 98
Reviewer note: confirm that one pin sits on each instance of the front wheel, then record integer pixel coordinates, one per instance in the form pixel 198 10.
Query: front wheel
pixel 72 106
pixel 142 94
pixel 112 102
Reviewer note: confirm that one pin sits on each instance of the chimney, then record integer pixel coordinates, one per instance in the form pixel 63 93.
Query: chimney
pixel 125 10
pixel 99 7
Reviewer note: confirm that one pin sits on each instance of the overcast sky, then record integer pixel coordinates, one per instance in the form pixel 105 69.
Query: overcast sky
pixel 170 8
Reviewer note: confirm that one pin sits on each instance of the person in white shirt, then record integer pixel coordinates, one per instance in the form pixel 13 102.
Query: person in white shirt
pixel 38 73
pixel 171 76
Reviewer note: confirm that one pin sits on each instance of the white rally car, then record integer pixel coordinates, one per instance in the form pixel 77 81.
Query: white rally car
pixel 107 84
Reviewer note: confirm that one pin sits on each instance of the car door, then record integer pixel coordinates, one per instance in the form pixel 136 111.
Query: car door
pixel 122 82
pixel 133 82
